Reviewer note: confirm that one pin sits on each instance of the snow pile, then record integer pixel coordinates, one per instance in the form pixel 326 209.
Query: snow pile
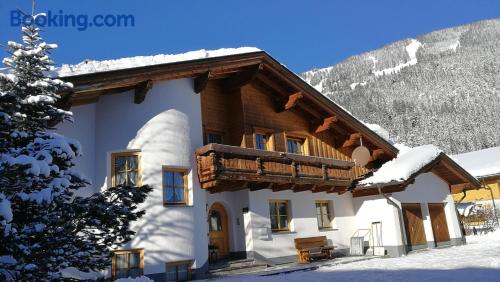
pixel 382 132
pixel 480 163
pixel 402 148
pixel 403 166
pixel 72 272
pixel 411 49
pixel 91 66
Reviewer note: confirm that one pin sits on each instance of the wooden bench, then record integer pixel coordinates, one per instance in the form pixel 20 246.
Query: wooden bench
pixel 312 247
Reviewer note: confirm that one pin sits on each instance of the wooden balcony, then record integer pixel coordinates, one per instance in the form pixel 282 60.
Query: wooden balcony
pixel 230 168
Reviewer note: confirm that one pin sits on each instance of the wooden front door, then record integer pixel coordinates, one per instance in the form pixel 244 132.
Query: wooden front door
pixel 439 224
pixel 414 225
pixel 218 228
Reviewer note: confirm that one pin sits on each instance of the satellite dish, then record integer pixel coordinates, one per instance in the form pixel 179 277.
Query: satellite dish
pixel 361 155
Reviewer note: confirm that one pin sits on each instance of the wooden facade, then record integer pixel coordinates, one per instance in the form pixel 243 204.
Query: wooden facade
pixel 239 114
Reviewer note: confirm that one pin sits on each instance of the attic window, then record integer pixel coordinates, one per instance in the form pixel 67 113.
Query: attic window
pixel 213 137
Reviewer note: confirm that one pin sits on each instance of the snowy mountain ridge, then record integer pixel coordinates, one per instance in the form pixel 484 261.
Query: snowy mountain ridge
pixel 440 88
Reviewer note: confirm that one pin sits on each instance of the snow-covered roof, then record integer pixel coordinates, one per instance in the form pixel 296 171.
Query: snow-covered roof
pixel 93 66
pixel 382 132
pixel 480 163
pixel 408 162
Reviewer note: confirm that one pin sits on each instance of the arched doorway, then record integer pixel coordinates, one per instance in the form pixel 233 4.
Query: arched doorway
pixel 218 229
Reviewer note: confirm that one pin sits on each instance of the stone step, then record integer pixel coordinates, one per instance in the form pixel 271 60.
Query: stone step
pixel 236 267
pixel 241 263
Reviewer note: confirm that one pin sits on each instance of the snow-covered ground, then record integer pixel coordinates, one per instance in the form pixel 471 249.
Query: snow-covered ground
pixel 479 260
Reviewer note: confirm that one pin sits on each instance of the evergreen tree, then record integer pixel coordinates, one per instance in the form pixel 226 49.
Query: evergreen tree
pixel 44 226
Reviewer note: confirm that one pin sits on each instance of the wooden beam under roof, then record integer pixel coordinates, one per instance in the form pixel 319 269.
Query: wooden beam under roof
pixel 244 77
pixel 352 140
pixel 282 187
pixel 377 154
pixel 302 188
pixel 337 189
pixel 289 102
pixel 201 82
pixel 327 124
pixel 318 189
pixel 141 89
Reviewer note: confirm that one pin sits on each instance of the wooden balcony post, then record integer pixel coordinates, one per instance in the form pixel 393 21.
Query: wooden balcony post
pixel 324 171
pixel 294 169
pixel 260 171
pixel 215 164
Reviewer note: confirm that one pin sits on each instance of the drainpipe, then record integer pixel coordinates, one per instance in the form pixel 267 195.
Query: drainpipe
pixel 462 228
pixel 400 216
pixel 487 187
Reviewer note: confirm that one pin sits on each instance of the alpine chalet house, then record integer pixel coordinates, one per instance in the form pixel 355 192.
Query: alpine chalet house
pixel 246 160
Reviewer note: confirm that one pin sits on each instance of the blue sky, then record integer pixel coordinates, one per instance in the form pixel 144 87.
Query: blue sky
pixel 301 34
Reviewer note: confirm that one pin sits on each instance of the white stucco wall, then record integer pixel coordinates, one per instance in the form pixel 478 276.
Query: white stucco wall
pixel 377 209
pixel 233 202
pixel 166 128
pixel 428 188
pixel 265 243
pixel 83 129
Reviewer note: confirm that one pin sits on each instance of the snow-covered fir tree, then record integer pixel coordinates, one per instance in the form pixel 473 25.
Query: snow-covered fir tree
pixel 44 226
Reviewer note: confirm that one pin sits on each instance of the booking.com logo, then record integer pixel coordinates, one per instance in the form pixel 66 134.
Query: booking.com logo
pixel 80 21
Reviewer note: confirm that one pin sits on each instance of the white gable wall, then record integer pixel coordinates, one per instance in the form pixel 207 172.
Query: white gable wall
pixel 166 128
pixel 83 129
pixel 377 209
pixel 429 188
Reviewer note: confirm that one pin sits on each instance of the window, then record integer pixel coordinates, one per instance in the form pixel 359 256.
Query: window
pixel 215 223
pixel 127 264
pixel 125 169
pixel 178 271
pixel 261 142
pixel 278 210
pixel 295 146
pixel 174 186
pixel 263 138
pixel 323 214
pixel 213 137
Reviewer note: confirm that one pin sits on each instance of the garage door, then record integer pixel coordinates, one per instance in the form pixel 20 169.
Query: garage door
pixel 439 224
pixel 414 226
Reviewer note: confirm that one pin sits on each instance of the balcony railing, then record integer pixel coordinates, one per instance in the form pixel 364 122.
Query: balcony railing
pixel 230 168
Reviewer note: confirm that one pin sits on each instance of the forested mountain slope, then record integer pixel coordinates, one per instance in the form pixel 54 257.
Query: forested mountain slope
pixel 441 88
